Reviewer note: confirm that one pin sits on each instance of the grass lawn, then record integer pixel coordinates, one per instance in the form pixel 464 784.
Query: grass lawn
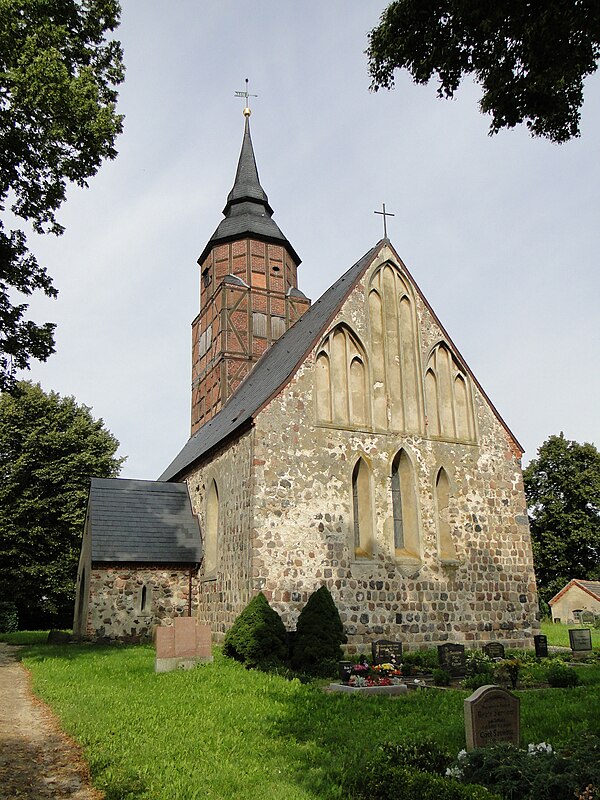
pixel 220 731
pixel 558 634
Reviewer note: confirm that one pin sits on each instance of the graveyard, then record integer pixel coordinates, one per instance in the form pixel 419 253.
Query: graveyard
pixel 221 730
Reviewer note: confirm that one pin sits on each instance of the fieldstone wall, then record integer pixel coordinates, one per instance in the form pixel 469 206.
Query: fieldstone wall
pixel 225 593
pixel 126 602
pixel 303 517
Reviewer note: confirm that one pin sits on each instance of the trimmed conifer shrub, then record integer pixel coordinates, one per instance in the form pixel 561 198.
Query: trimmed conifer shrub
pixel 319 634
pixel 258 637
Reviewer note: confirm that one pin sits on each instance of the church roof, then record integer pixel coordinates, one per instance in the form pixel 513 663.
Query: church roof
pixel 272 370
pixel 143 521
pixel 279 363
pixel 247 211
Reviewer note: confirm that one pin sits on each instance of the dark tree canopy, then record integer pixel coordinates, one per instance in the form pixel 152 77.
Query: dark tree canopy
pixel 50 447
pixel 562 486
pixel 529 58
pixel 57 124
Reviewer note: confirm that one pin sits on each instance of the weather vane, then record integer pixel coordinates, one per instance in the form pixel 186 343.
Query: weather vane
pixel 384 214
pixel 246 96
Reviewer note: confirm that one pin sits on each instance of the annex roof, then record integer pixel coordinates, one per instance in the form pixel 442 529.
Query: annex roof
pixel 144 521
pixel 247 211
pixel 591 587
pixel 278 364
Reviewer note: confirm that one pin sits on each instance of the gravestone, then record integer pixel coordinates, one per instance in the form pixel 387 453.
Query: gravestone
pixel 386 652
pixel 587 617
pixel 541 645
pixel 345 670
pixel 182 645
pixel 494 649
pixel 492 715
pixel 580 639
pixel 452 658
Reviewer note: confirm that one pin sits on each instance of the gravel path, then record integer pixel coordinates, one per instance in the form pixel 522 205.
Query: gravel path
pixel 38 761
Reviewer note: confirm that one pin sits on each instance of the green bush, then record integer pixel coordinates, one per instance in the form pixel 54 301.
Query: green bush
pixel 258 637
pixel 475 681
pixel 560 676
pixel 538 773
pixel 424 754
pixel 425 659
pixel 9 617
pixel 507 672
pixel 441 677
pixel 319 635
pixel 381 780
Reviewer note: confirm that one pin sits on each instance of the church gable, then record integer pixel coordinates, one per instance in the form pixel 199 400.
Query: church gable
pixel 374 368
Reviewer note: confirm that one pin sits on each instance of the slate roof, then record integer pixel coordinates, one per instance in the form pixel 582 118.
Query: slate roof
pixel 591 587
pixel 247 211
pixel 272 370
pixel 144 521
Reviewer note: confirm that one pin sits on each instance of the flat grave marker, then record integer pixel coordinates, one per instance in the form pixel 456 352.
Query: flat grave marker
pixel 492 715
pixel 452 658
pixel 385 651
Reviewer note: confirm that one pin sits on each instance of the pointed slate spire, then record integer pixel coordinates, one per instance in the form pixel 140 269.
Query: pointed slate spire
pixel 247 211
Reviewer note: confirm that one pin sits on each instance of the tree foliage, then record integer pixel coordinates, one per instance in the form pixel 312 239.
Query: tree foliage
pixel 562 486
pixel 57 124
pixel 529 58
pixel 49 448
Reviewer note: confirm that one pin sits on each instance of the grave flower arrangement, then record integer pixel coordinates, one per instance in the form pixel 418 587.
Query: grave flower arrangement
pixel 376 675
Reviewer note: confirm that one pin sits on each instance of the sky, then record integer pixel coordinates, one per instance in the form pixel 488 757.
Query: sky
pixel 501 233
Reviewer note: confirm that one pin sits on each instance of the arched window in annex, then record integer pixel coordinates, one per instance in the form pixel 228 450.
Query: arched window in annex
pixel 211 529
pixel 362 511
pixel 442 492
pixel 397 386
pixel 341 379
pixel 448 397
pixel 145 598
pixel 405 508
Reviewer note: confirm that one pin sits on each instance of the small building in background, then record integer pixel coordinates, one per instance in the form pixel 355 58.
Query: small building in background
pixel 576 602
pixel 139 559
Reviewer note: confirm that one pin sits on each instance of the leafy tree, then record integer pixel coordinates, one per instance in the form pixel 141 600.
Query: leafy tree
pixel 49 448
pixel 530 58
pixel 562 486
pixel 57 124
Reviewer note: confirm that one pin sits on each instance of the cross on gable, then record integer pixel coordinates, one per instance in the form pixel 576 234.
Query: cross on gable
pixel 384 214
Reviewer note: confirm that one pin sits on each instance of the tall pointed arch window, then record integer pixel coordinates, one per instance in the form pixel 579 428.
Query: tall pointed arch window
pixel 341 385
pixel 211 529
pixel 407 541
pixel 362 510
pixel 446 546
pixel 397 393
pixel 448 398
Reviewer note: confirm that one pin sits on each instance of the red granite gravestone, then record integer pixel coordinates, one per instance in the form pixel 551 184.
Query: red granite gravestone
pixel 185 637
pixel 182 645
pixel 165 642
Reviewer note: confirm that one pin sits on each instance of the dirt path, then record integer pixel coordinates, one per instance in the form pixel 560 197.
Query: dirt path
pixel 37 760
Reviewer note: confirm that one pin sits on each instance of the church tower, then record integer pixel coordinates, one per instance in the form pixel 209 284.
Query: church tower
pixel 249 293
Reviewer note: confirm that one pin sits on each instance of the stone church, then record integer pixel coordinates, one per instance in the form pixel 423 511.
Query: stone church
pixel 344 443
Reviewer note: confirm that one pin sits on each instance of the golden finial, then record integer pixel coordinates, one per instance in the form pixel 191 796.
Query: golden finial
pixel 246 95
